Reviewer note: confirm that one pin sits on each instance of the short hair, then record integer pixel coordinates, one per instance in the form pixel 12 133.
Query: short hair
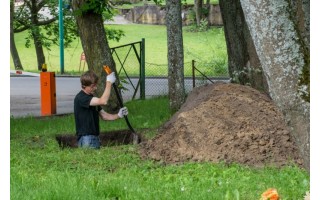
pixel 88 78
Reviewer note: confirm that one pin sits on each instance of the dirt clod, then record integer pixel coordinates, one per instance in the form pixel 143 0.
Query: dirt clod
pixel 224 122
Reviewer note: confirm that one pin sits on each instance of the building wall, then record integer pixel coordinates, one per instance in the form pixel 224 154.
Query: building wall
pixel 153 14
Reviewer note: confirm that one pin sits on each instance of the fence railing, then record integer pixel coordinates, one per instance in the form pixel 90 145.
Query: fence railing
pixel 142 80
pixel 156 79
pixel 130 61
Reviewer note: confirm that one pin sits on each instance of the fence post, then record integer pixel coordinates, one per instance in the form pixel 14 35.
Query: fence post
pixel 142 70
pixel 193 74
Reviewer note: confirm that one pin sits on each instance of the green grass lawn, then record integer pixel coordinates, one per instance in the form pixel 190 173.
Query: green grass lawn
pixel 39 169
pixel 204 47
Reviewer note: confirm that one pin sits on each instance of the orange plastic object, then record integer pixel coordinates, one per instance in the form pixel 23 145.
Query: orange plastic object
pixel 270 194
pixel 48 93
pixel 107 69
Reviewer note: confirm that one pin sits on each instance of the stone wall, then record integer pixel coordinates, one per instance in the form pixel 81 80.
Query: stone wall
pixel 215 18
pixel 153 14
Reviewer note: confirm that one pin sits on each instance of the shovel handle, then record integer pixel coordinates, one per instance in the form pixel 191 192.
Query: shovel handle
pixel 107 69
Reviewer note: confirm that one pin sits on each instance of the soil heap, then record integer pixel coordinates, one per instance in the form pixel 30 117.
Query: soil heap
pixel 225 122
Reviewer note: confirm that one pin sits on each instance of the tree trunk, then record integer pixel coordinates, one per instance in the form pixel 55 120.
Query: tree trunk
pixel 38 47
pixel 208 10
pixel 35 31
pixel 301 16
pixel 243 62
pixel 175 54
pixel 198 10
pixel 96 49
pixel 13 48
pixel 280 50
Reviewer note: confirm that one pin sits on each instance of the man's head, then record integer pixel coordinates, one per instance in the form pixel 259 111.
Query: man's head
pixel 89 81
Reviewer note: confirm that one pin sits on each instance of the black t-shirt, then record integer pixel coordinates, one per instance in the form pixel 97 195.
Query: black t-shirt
pixel 86 116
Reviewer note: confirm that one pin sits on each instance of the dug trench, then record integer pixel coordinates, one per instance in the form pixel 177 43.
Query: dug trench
pixel 110 138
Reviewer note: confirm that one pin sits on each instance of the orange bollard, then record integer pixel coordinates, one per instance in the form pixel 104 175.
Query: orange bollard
pixel 48 93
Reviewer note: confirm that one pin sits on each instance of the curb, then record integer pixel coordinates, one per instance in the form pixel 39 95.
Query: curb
pixel 20 73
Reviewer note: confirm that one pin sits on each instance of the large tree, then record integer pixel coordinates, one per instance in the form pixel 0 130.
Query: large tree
pixel 95 45
pixel 284 55
pixel 175 54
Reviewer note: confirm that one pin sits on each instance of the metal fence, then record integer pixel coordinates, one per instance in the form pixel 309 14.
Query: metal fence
pixel 129 60
pixel 156 81
pixel 140 80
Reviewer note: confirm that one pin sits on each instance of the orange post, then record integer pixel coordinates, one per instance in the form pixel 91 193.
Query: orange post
pixel 48 93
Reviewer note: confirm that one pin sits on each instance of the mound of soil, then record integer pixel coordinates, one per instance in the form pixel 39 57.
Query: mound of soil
pixel 224 122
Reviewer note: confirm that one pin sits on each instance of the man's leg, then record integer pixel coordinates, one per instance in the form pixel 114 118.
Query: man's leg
pixel 89 141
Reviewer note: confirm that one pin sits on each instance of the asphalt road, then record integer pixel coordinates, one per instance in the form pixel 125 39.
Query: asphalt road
pixel 25 93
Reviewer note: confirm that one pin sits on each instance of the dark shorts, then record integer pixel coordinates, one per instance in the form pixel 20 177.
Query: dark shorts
pixel 89 141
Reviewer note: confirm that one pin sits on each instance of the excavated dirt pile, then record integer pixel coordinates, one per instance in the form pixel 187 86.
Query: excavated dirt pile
pixel 224 122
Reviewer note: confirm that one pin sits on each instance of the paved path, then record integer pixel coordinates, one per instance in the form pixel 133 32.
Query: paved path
pixel 25 92
pixel 25 95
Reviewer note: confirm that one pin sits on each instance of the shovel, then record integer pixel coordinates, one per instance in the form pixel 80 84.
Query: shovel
pixel 134 134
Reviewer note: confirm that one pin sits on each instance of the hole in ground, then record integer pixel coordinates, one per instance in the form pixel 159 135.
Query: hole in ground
pixel 112 138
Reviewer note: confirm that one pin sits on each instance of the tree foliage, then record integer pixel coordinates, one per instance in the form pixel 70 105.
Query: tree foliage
pixel 44 14
pixel 39 18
